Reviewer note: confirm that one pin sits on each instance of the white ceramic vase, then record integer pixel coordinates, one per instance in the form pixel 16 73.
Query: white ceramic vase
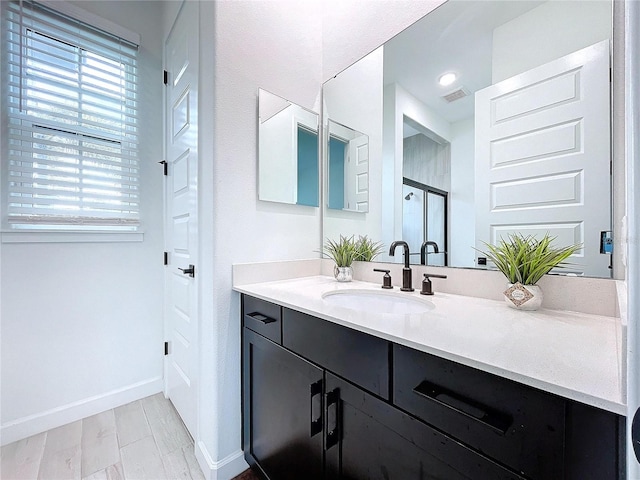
pixel 523 297
pixel 343 274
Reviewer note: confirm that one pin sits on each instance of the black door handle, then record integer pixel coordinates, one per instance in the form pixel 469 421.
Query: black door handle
pixel 191 270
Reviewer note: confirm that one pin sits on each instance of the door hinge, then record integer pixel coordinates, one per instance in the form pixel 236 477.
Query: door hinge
pixel 165 167
pixel 166 258
pixel 166 77
pixel 166 348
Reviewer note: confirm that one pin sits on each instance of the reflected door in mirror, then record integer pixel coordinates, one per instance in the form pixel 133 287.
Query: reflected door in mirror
pixel 348 168
pixel 288 160
pixel 543 156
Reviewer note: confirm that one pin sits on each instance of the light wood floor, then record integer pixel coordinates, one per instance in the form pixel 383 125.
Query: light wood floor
pixel 141 440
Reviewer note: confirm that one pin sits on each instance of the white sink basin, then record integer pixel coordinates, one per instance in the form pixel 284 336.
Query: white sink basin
pixel 378 302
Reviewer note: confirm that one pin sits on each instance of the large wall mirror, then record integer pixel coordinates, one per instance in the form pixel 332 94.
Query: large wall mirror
pixel 288 167
pixel 485 118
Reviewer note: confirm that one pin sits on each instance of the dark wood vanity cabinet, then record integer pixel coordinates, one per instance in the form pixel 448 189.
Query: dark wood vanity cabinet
pixel 378 441
pixel 282 410
pixel 322 401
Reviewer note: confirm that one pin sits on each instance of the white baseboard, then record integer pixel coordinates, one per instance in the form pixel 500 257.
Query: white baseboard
pixel 40 422
pixel 225 469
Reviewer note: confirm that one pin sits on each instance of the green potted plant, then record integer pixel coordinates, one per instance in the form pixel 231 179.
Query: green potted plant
pixel 524 260
pixel 343 252
pixel 367 248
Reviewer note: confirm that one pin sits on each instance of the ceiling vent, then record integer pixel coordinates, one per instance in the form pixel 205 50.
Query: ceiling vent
pixel 457 94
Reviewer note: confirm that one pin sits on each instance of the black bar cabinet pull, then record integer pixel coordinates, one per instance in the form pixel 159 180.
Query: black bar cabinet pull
pixel 332 435
pixel 258 317
pixel 485 415
pixel 316 420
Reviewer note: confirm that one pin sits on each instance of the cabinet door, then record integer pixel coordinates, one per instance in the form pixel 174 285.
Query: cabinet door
pixel 282 409
pixel 368 439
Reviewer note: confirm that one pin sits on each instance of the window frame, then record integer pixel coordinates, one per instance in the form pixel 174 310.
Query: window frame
pixel 59 231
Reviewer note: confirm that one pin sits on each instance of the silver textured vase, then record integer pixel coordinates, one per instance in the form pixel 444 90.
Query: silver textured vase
pixel 343 274
pixel 523 297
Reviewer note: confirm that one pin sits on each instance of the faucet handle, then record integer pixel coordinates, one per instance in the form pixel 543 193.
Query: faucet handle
pixel 386 279
pixel 433 275
pixel 426 283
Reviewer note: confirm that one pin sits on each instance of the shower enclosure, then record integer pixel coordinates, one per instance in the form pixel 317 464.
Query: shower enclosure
pixel 424 218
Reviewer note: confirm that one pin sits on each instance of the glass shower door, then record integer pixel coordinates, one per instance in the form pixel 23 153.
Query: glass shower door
pixel 413 220
pixel 424 218
pixel 437 227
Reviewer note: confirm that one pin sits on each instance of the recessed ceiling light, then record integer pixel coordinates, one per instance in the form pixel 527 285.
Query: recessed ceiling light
pixel 447 79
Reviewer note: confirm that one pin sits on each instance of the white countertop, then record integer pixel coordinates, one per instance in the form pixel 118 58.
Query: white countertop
pixel 571 354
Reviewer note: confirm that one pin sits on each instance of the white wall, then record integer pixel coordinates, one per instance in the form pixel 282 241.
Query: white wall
pixel 552 30
pixel 244 45
pixel 82 322
pixel 462 220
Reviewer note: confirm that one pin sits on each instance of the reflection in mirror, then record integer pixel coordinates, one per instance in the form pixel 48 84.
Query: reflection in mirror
pixel 518 140
pixel 288 168
pixel 424 216
pixel 347 169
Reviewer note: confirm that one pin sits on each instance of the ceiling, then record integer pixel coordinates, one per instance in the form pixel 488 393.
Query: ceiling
pixel 456 37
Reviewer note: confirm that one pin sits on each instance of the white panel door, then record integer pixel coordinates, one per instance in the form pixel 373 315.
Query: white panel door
pixel 357 174
pixel 543 156
pixel 181 219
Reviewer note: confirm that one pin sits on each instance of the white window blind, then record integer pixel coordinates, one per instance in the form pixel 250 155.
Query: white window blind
pixel 72 123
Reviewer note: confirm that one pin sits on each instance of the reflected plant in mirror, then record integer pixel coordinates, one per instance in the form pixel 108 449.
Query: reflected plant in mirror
pixel 288 165
pixel 518 141
pixel 368 249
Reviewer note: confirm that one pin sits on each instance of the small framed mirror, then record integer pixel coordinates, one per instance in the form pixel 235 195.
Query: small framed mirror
pixel 288 165
pixel 347 168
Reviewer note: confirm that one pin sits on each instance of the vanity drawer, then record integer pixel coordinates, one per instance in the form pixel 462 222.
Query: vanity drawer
pixel 360 358
pixel 517 425
pixel 262 317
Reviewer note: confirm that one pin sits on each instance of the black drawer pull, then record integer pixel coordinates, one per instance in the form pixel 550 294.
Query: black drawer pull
pixel 492 418
pixel 316 420
pixel 261 318
pixel 332 435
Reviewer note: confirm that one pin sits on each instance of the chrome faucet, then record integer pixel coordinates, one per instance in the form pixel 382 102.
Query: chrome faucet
pixel 423 251
pixel 406 271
